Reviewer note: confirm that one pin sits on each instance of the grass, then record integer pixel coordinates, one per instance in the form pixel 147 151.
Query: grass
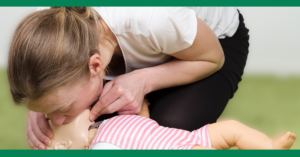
pixel 12 119
pixel 266 103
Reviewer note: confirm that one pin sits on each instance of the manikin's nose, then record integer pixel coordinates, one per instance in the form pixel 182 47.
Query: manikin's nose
pixel 57 120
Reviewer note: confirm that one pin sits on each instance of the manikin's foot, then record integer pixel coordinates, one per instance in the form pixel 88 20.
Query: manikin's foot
pixel 285 141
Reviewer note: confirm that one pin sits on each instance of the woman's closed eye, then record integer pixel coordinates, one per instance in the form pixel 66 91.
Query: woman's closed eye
pixel 65 110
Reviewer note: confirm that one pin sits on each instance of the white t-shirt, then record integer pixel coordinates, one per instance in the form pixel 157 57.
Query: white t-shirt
pixel 147 35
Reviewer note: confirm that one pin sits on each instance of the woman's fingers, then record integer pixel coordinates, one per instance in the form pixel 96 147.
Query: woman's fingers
pixel 106 88
pixel 132 108
pixel 34 133
pixel 44 125
pixel 111 95
pixel 31 138
pixel 123 94
pixel 28 139
pixel 126 113
pixel 115 106
pixel 31 144
pixel 36 143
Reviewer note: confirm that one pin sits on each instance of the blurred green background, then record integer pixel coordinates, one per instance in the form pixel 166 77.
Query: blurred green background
pixel 266 103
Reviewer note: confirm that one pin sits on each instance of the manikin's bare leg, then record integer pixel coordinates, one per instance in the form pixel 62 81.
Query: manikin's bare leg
pixel 226 134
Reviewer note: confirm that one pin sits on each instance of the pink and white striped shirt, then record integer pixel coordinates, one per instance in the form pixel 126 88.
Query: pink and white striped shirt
pixel 136 132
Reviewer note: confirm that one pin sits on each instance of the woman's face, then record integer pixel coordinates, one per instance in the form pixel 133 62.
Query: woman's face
pixel 65 103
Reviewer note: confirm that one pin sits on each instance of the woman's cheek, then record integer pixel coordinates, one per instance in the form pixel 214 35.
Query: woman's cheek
pixel 87 98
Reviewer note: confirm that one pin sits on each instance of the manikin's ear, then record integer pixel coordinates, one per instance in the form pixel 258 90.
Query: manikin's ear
pixel 63 145
pixel 96 65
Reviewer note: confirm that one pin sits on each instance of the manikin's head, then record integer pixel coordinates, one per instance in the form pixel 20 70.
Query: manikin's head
pixel 73 135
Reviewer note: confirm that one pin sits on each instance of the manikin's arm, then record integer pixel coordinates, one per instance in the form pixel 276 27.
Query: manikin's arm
pixel 226 134
pixel 145 111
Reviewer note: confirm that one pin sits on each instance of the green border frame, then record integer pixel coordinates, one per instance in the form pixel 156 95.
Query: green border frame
pixel 151 153
pixel 150 3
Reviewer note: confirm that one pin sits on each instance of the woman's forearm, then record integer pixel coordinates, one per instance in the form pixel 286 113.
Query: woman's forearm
pixel 176 72
pixel 203 58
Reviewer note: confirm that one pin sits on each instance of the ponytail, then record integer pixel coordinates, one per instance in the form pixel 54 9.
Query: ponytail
pixel 83 12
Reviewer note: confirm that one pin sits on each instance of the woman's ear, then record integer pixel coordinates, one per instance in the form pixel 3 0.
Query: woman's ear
pixel 96 65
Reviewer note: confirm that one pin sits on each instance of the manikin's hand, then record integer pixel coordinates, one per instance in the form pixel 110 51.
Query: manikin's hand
pixel 124 94
pixel 39 133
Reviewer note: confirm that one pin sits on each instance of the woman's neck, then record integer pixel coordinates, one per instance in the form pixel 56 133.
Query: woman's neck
pixel 109 45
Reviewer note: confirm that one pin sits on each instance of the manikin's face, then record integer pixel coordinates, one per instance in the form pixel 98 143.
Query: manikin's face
pixel 73 135
pixel 65 103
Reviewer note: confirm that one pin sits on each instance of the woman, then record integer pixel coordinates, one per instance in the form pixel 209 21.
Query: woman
pixel 159 53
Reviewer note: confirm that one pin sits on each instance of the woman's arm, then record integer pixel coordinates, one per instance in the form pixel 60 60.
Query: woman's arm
pixel 203 58
pixel 125 93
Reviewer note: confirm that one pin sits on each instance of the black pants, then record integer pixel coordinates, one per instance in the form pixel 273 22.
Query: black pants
pixel 191 106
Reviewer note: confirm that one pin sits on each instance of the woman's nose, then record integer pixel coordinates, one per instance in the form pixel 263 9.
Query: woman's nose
pixel 56 119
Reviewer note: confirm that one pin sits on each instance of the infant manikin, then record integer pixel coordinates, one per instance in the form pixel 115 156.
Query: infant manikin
pixel 140 132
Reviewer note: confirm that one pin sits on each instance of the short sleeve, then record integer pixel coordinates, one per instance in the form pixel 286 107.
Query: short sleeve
pixel 172 29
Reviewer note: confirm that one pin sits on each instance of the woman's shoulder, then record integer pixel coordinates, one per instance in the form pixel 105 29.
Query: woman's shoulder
pixel 151 29
pixel 140 20
pixel 135 20
pixel 173 29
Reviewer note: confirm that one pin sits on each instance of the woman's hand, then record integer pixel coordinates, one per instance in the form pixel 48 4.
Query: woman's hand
pixel 39 133
pixel 124 94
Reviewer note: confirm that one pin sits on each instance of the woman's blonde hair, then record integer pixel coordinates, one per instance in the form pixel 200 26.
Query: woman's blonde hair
pixel 50 48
